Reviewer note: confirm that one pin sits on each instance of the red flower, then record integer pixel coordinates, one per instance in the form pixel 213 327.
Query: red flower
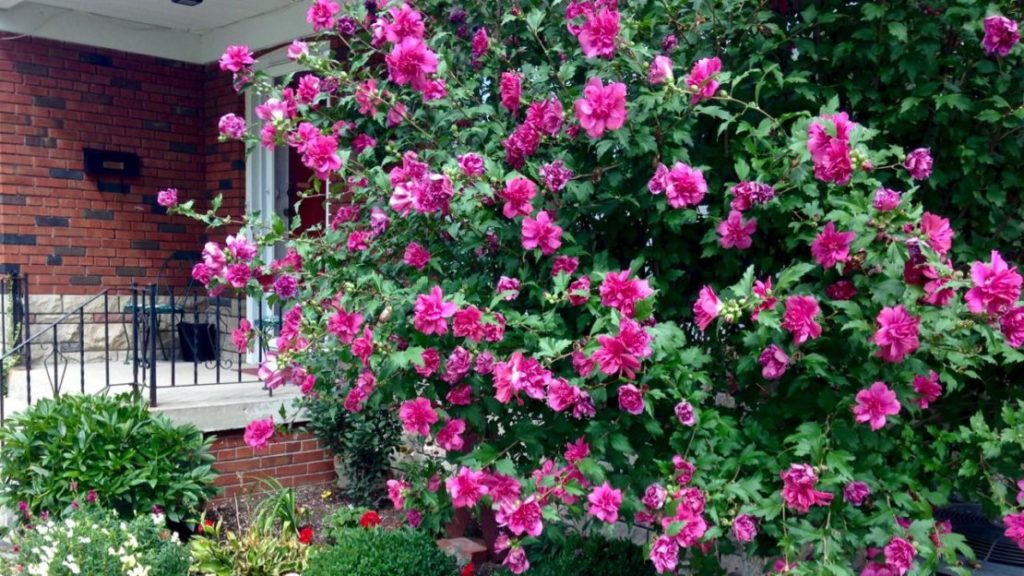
pixel 206 525
pixel 369 519
pixel 306 535
pixel 469 570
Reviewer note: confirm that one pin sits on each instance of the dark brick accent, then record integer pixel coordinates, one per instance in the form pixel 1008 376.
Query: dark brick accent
pixel 50 102
pixel 98 214
pixel 130 271
pixel 67 174
pixel 145 245
pixel 30 68
pixel 186 111
pixel 170 228
pixel 126 83
pixel 54 260
pixel 40 142
pixel 93 98
pixel 156 125
pixel 18 239
pixel 183 147
pixel 11 200
pixel 52 221
pixel 115 187
pixel 10 268
pixel 188 254
pixel 212 148
pixel 69 251
pixel 84 280
pixel 170 63
pixel 95 59
pixel 238 164
pixel 225 184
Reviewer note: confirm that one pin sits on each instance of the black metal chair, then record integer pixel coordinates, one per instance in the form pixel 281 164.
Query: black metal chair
pixel 174 266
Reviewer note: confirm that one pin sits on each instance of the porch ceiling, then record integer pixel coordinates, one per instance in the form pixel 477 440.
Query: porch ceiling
pixel 162 28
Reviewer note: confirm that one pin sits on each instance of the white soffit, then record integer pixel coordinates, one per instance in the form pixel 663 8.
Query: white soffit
pixel 196 34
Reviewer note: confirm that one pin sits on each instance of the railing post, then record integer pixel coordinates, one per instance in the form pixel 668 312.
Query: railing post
pixel 25 334
pixel 195 337
pixel 152 345
pixel 174 335
pixel 56 358
pixel 239 309
pixel 106 336
pixel 81 347
pixel 216 345
pixel 3 316
pixel 135 338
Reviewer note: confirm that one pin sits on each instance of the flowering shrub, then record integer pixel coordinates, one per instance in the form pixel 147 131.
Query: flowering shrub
pixel 602 257
pixel 93 540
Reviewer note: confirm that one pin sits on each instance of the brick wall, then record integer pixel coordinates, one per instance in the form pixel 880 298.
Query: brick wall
pixel 72 232
pixel 294 460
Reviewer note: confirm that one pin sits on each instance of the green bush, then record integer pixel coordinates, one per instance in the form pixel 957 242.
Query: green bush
pixel 133 459
pixel 363 441
pixel 375 552
pixel 594 556
pixel 95 541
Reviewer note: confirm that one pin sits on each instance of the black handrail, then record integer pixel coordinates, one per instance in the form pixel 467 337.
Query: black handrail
pixel 52 325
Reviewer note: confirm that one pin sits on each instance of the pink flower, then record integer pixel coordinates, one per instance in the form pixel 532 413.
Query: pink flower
pixel 285 286
pixel 856 493
pixel 321 14
pixel 579 291
pixel 886 199
pixel 701 80
pixel 896 334
pixel 799 318
pixel 431 362
pixel 582 364
pixel 466 323
pixel 345 325
pixel 665 554
pixel 241 248
pixel 471 164
pixel 417 416
pixel 518 195
pixel 511 88
pixel 798 489
pixel 562 395
pixel 541 233
pixel 238 275
pixel 409 63
pixel 321 156
pixel 683 186
pixel 767 301
pixel 1001 35
pixel 521 144
pixel 1012 326
pixel 481 42
pixel 236 58
pixel 359 240
pixel 841 290
pixel 566 264
pixel 685 414
pixel 831 247
pixel 546 116
pixel 416 256
pixel 919 163
pixel 258 433
pixel 928 389
pixel 774 362
pixel 240 335
pixel 431 312
pixel 460 395
pixel 937 232
pixel 899 554
pixel 602 107
pixel 466 488
pixel 874 404
pixel 231 126
pixel 167 198
pixel 362 347
pixel 397 490
pixel 1015 528
pixel 367 97
pixel 450 435
pixel 297 49
pixel 598 34
pixel 747 194
pixel 521 517
pixel 621 292
pixel 734 232
pixel 516 561
pixel 706 308
pixel 631 399
pixel 405 23
pixel 396 115
pixel 510 285
pixel 654 497
pixel 555 175
pixel 996 286
pixel 660 70
pixel 604 502
pixel 831 151
pixel 744 528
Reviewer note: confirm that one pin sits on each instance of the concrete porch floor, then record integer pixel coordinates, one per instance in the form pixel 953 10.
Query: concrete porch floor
pixel 210 406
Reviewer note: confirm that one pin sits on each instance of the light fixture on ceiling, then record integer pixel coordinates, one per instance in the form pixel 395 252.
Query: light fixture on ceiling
pixel 188 2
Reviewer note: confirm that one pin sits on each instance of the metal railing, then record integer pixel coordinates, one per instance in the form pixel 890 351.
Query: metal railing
pixel 154 325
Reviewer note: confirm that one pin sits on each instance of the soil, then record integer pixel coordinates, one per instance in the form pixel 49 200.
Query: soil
pixel 314 503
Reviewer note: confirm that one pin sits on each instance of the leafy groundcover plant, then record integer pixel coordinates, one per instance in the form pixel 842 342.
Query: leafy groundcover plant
pixel 616 263
pixel 93 540
pixel 377 552
pixel 61 452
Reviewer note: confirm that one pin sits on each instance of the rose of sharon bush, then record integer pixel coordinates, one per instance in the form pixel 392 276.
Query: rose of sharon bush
pixel 772 350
